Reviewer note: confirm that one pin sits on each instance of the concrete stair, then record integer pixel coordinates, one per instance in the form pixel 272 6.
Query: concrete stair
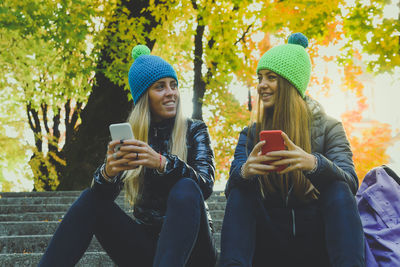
pixel 29 219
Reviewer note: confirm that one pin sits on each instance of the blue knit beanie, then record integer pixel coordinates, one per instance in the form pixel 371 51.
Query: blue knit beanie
pixel 146 70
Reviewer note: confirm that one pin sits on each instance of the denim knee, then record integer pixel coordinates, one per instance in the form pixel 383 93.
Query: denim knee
pixel 184 191
pixel 241 196
pixel 337 193
pixel 88 200
pixel 88 195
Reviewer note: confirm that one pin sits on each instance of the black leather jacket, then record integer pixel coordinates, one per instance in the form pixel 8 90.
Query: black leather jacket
pixel 150 208
pixel 329 144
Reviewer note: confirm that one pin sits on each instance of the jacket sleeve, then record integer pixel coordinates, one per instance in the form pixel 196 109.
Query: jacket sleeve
pixel 336 162
pixel 240 157
pixel 200 161
pixel 104 189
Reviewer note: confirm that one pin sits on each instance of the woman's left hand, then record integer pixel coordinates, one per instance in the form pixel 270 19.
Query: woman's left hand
pixel 140 153
pixel 295 158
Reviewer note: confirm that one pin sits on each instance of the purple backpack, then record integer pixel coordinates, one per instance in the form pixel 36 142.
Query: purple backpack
pixel 378 200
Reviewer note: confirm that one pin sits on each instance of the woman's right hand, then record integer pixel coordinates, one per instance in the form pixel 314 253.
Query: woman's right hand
pixel 115 162
pixel 255 162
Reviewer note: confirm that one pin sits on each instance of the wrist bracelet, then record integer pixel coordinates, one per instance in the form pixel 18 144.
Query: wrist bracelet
pixel 315 167
pixel 164 169
pixel 105 175
pixel 242 172
pixel 165 166
pixel 159 167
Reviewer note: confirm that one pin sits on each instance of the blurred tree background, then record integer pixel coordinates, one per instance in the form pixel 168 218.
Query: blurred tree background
pixel 64 71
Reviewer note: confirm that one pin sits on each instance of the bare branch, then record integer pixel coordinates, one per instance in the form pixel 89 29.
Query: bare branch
pixel 75 114
pixel 56 124
pixel 44 115
pixel 243 35
pixel 36 128
pixel 28 112
pixel 67 107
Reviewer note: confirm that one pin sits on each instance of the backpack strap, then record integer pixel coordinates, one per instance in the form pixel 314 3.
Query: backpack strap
pixel 391 173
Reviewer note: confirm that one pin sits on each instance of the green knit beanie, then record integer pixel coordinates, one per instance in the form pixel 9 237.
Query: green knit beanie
pixel 291 61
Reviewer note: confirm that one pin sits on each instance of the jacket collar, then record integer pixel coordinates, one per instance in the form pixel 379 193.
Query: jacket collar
pixel 162 128
pixel 316 108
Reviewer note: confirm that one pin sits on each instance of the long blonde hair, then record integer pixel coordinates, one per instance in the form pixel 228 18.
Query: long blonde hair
pixel 139 119
pixel 291 115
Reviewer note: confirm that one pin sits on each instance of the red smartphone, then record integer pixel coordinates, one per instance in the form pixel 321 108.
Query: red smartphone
pixel 274 142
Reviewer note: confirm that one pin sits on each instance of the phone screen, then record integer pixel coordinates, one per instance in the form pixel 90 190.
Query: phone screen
pixel 121 131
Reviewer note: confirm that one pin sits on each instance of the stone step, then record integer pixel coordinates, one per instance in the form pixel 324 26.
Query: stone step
pixel 37 200
pixel 12 208
pixel 39 243
pixel 40 194
pixel 89 259
pixel 27 228
pixel 57 216
pixel 214 195
pixel 32 216
pixel 34 244
pixel 17 208
pixel 68 200
pixel 44 228
pixel 28 221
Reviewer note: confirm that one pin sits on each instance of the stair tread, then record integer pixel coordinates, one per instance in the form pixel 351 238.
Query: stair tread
pixel 28 221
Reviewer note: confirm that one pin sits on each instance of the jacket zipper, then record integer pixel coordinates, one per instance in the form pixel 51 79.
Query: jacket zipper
pixel 293 223
pixel 292 212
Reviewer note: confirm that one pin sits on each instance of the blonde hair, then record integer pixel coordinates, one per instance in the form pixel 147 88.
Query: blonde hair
pixel 139 119
pixel 291 115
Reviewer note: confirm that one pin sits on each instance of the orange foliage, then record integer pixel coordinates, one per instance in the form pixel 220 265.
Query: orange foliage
pixel 334 33
pixel 369 148
pixel 351 72
pixel 369 140
pixel 229 117
pixel 265 44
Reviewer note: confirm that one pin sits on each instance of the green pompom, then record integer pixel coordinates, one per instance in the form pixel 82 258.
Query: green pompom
pixel 140 50
pixel 299 39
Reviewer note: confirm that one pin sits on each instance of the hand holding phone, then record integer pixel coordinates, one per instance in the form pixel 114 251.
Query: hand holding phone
pixel 121 131
pixel 274 142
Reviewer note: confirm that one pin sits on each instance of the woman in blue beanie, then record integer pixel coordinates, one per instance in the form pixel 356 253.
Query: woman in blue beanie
pixel 167 172
pixel 298 209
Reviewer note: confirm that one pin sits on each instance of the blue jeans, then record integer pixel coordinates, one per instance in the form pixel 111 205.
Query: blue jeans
pixel 327 232
pixel 183 240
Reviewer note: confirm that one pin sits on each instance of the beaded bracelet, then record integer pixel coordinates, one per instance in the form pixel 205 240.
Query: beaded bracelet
pixel 315 167
pixel 164 169
pixel 105 175
pixel 159 167
pixel 242 171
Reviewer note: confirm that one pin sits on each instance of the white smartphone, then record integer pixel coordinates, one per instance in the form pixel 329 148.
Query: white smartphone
pixel 121 131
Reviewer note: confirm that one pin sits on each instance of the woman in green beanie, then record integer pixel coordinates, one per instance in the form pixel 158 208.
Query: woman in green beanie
pixel 299 209
pixel 167 172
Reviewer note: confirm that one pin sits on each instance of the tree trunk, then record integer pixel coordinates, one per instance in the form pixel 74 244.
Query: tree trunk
pixel 46 168
pixel 199 86
pixel 108 103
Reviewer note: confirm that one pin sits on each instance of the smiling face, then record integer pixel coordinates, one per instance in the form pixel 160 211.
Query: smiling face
pixel 267 87
pixel 163 98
